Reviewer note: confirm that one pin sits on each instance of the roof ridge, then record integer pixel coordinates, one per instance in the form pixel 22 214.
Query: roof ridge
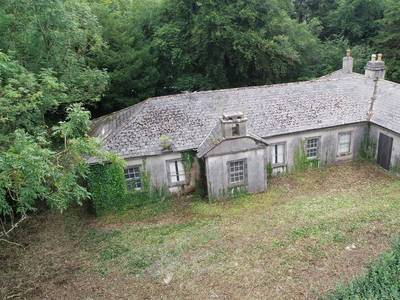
pixel 388 81
pixel 203 141
pixel 127 121
pixel 361 77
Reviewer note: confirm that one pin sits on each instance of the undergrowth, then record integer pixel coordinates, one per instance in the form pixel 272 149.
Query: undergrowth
pixel 382 282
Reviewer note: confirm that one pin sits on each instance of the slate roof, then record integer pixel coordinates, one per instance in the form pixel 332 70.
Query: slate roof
pixel 336 99
pixel 386 107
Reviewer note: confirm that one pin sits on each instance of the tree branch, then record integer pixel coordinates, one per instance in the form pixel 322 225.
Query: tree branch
pixel 13 243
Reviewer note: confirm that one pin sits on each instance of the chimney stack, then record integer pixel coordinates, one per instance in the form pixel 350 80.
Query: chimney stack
pixel 233 125
pixel 347 63
pixel 375 68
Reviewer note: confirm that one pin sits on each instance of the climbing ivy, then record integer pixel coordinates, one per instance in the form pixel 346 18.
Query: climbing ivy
pixel 269 169
pixel 188 158
pixel 395 168
pixel 301 160
pixel 108 188
pixel 110 194
pixel 367 147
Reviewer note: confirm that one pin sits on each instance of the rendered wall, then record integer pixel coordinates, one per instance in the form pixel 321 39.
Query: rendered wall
pixel 257 158
pixel 217 169
pixel 374 134
pixel 157 166
pixel 329 145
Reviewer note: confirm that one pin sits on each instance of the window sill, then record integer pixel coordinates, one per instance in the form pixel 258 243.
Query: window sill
pixel 278 165
pixel 344 154
pixel 237 184
pixel 178 183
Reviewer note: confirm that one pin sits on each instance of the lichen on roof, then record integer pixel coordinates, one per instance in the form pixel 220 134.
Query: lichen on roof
pixel 271 110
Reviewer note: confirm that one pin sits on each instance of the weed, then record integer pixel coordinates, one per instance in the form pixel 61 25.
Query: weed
pixel 269 169
pixel 395 168
pixel 368 147
pixel 381 282
pixel 301 160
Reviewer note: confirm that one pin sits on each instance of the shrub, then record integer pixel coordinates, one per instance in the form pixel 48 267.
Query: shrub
pixel 382 282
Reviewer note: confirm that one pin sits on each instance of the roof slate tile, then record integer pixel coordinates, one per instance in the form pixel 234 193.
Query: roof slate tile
pixel 271 110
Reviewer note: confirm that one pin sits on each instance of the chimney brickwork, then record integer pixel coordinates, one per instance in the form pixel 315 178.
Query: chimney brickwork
pixel 233 125
pixel 347 63
pixel 375 68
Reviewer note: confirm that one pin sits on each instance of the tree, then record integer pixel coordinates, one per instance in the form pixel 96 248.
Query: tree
pixel 389 39
pixel 30 169
pixel 62 36
pixel 356 20
pixel 127 55
pixel 205 45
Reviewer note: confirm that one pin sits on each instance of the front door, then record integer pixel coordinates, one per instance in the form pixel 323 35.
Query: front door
pixel 384 151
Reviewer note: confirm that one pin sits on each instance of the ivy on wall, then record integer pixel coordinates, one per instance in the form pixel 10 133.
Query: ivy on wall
pixel 301 160
pixel 368 147
pixel 107 185
pixel 188 158
pixel 110 194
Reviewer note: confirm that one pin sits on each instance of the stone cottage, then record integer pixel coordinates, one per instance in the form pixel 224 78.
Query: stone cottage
pixel 237 135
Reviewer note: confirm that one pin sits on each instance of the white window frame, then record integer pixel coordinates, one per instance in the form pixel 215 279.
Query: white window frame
pixel 349 146
pixel 237 167
pixel 273 148
pixel 178 171
pixel 317 148
pixel 133 182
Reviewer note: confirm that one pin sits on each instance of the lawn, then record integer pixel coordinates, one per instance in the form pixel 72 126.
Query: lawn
pixel 310 232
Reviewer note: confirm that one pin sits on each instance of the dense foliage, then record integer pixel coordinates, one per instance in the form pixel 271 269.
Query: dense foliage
pixel 125 51
pixel 110 194
pixel 107 184
pixel 32 167
pixel 382 282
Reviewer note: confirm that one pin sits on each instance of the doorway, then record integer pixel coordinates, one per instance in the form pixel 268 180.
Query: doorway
pixel 384 151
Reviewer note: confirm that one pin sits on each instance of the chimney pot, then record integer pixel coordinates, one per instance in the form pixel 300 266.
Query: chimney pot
pixel 375 68
pixel 347 63
pixel 233 125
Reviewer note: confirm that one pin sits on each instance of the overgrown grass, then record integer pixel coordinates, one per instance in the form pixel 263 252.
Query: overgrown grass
pixel 312 221
pixel 382 282
pixel 310 231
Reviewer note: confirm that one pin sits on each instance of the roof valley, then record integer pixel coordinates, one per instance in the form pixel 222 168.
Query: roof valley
pixel 373 98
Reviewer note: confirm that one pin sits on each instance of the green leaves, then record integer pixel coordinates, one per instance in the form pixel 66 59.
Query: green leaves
pixel 389 39
pixel 210 45
pixel 61 36
pixel 29 169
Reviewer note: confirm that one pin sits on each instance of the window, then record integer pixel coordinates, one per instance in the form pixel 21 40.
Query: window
pixel 237 172
pixel 176 172
pixel 312 148
pixel 344 142
pixel 132 177
pixel 278 154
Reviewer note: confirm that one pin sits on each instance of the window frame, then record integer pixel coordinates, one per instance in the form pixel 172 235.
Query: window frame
pixel 245 173
pixel 317 154
pixel 274 164
pixel 169 175
pixel 350 143
pixel 129 180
